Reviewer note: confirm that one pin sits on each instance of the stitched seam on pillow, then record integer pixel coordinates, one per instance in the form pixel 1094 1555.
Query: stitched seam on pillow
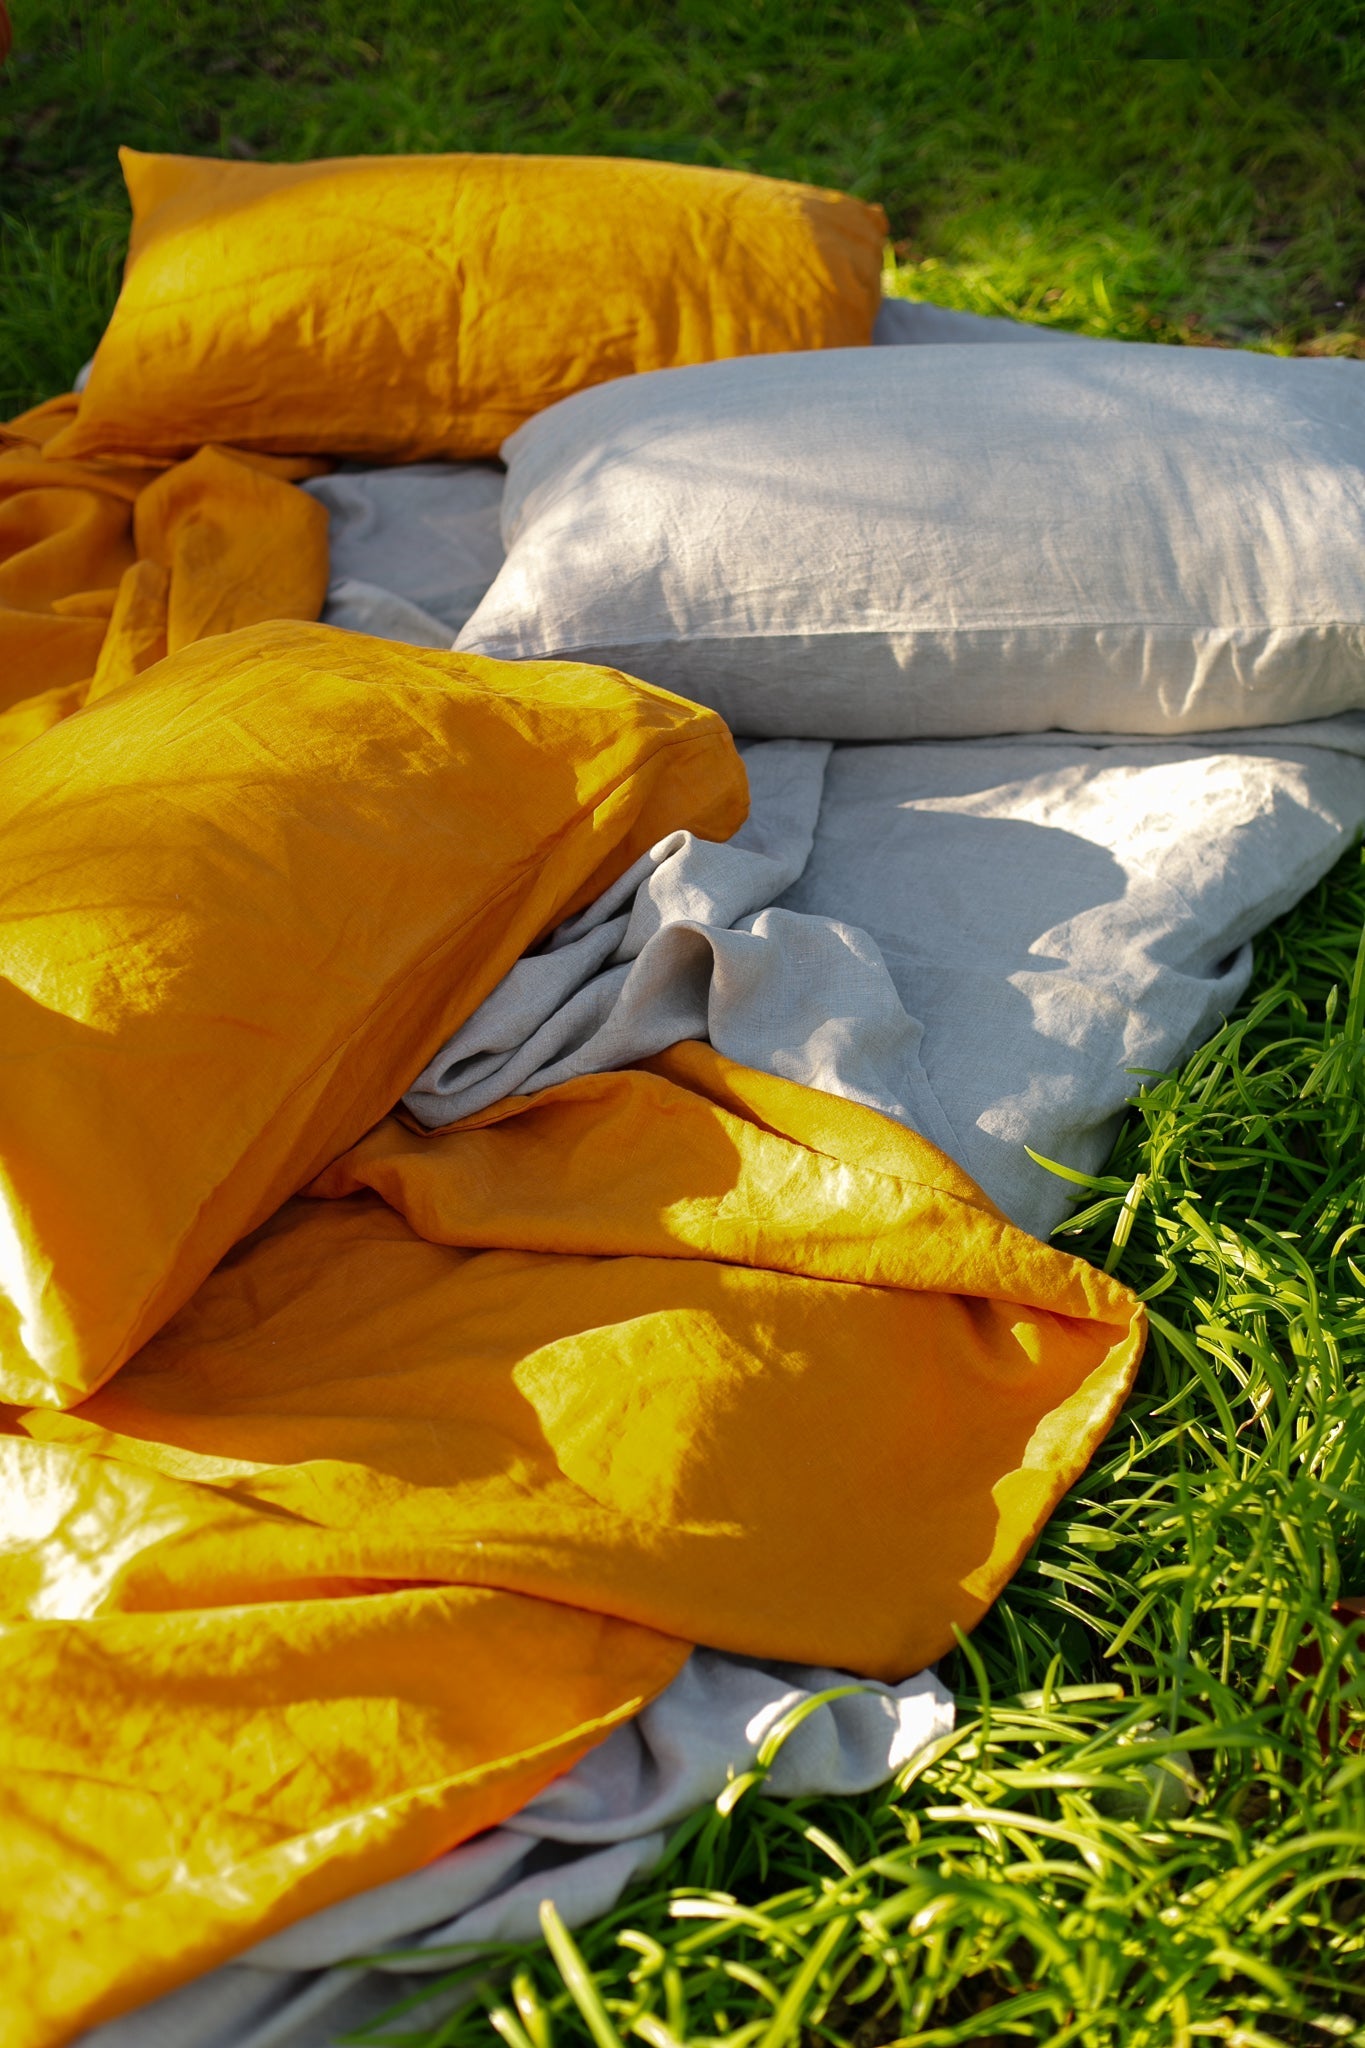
pixel 730 635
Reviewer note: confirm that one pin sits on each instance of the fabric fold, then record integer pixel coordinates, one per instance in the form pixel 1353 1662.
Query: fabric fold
pixel 691 943
pixel 106 567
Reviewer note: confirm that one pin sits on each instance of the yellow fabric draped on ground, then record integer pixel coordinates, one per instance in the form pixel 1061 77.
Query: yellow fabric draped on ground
pixel 439 1474
pixel 106 567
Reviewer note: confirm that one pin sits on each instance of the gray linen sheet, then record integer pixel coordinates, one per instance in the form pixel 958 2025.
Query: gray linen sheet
pixel 987 940
pixel 691 943
pixel 412 549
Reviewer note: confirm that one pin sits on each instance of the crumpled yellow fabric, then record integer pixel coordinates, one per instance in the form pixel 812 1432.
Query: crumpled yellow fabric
pixel 105 567
pixel 439 1474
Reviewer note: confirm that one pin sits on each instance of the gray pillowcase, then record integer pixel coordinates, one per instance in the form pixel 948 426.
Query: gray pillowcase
pixel 938 542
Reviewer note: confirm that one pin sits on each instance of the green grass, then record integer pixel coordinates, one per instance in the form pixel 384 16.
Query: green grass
pixel 1146 1830
pixel 1125 169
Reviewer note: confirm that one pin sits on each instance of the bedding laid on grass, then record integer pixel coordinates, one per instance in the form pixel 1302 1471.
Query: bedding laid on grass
pixel 578 1844
pixel 1263 810
pixel 351 1546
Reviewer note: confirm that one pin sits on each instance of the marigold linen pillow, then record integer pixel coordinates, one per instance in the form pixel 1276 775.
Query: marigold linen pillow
pixel 404 307
pixel 895 544
pixel 243 899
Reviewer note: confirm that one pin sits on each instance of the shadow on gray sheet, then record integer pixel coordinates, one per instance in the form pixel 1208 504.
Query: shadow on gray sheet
pixel 987 940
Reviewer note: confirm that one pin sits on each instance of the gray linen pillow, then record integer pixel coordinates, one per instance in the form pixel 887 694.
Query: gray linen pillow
pixel 892 544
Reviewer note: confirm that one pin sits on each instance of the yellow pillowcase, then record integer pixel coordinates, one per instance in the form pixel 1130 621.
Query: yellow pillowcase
pixel 243 900
pixel 405 307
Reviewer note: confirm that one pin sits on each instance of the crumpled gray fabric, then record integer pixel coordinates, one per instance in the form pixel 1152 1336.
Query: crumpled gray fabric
pixel 915 323
pixel 359 607
pixel 412 547
pixel 690 943
pixel 1062 915
pixel 579 1843
pixel 676 1755
pixel 612 983
pixel 985 939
